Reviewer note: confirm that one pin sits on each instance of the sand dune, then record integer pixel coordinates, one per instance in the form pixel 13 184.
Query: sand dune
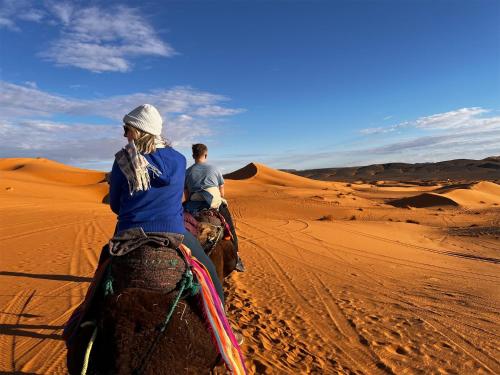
pixel 42 178
pixel 51 171
pixel 487 187
pixel 375 289
pixel 260 173
pixel 483 193
pixel 425 200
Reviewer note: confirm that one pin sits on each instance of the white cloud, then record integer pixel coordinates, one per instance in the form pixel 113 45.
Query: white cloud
pixel 95 38
pixel 444 142
pixel 180 99
pixel 474 145
pixel 8 24
pixel 68 143
pixel 472 133
pixel 13 10
pixel 21 101
pixel 31 84
pixel 81 143
pixel 33 15
pixel 8 10
pixel 217 111
pixel 28 101
pixel 384 129
pixel 28 120
pixel 62 10
pixel 100 40
pixel 460 120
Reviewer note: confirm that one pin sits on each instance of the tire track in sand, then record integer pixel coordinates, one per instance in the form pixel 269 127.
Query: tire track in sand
pixel 423 248
pixel 445 329
pixel 351 359
pixel 357 356
pixel 46 229
pixel 82 259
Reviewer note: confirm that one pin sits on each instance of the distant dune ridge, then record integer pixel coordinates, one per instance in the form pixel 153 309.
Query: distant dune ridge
pixel 46 178
pixel 467 195
pixel 51 171
pixel 375 278
pixel 465 170
pixel 263 174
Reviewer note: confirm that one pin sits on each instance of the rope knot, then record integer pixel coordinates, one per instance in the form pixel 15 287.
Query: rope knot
pixel 189 285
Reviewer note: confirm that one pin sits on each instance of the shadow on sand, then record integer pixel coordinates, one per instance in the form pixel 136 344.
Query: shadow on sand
pixel 26 330
pixel 77 279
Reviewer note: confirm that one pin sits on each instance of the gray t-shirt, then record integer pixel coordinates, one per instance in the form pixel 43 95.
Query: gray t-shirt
pixel 202 176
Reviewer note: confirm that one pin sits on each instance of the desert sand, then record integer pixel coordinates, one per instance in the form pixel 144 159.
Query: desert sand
pixel 341 278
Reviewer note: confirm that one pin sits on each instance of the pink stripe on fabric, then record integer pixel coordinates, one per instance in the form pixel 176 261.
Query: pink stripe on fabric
pixel 226 341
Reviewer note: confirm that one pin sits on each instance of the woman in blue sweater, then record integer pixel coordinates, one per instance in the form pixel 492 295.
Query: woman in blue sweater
pixel 147 183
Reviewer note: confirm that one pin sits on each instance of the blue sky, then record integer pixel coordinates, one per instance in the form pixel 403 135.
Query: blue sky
pixel 292 84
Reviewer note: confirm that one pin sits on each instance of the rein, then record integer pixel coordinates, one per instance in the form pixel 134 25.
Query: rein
pixel 213 243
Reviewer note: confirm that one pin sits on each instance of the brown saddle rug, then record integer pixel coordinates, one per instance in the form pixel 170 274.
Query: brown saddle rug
pixel 150 268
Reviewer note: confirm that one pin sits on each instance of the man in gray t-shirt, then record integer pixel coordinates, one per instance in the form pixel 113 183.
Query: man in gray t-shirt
pixel 201 176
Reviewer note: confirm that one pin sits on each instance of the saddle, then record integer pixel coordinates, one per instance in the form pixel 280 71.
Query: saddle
pixel 150 276
pixel 129 322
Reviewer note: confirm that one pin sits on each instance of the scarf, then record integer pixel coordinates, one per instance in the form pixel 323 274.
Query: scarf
pixel 136 167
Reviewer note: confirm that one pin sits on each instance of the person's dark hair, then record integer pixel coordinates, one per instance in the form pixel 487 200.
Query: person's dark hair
pixel 198 150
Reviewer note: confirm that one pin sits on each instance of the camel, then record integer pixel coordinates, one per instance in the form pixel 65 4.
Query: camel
pixel 129 318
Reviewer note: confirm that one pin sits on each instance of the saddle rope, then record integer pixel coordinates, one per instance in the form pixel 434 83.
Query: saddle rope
pixel 89 346
pixel 108 290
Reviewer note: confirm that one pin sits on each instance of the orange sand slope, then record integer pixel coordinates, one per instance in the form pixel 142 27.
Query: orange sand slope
pixel 259 173
pixel 467 195
pixel 370 288
pixel 47 179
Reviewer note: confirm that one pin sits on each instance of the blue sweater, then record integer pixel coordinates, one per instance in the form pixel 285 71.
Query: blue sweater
pixel 158 209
